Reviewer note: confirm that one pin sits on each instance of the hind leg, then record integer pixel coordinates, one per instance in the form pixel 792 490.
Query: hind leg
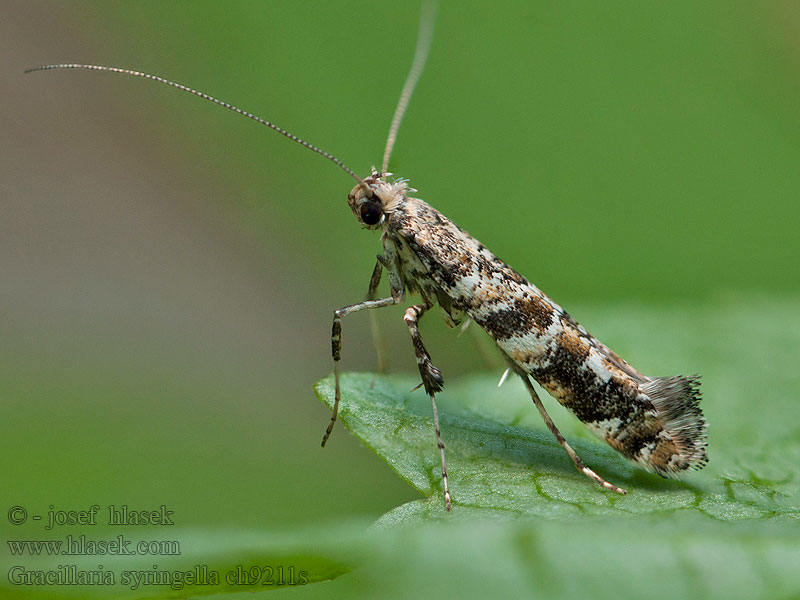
pixel 560 438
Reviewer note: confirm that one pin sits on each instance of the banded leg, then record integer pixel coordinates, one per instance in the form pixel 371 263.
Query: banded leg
pixel 336 345
pixel 560 438
pixel 431 379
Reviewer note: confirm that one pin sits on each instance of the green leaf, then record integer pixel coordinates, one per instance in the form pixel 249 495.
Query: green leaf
pixel 526 523
pixel 497 464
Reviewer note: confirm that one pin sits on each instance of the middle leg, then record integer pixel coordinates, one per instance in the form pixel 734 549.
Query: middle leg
pixel 431 379
pixel 377 338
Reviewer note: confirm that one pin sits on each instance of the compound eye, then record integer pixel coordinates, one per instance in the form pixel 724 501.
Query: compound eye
pixel 371 212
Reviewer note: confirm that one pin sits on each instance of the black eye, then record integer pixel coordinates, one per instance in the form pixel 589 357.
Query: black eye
pixel 371 212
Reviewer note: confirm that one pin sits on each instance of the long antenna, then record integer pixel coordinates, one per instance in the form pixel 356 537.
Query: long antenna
pixel 204 96
pixel 424 38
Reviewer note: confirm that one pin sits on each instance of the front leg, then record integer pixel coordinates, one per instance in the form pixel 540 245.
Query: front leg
pixel 336 344
pixel 431 379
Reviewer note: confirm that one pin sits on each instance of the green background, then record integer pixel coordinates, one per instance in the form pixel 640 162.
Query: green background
pixel 168 270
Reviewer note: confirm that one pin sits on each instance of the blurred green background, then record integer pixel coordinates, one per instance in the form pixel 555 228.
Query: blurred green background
pixel 168 270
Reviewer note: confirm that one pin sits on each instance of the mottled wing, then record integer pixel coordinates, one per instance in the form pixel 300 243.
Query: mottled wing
pixel 655 421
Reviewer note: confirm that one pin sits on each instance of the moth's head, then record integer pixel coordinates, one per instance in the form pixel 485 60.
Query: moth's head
pixel 374 198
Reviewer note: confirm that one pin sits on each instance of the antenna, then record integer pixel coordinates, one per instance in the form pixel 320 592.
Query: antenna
pixel 424 38
pixel 204 96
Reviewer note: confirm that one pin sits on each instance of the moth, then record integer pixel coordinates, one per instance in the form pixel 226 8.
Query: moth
pixel 654 421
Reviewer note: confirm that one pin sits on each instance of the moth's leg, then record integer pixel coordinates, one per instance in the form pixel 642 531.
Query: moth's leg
pixel 431 376
pixel 560 438
pixel 431 379
pixel 372 292
pixel 336 344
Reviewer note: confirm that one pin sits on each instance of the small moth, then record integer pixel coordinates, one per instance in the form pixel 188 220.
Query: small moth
pixel 654 421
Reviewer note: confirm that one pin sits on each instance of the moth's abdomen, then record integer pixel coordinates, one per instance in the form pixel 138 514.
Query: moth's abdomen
pixel 656 422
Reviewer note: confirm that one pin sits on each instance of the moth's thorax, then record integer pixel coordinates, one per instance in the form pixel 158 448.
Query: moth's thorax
pixel 375 198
